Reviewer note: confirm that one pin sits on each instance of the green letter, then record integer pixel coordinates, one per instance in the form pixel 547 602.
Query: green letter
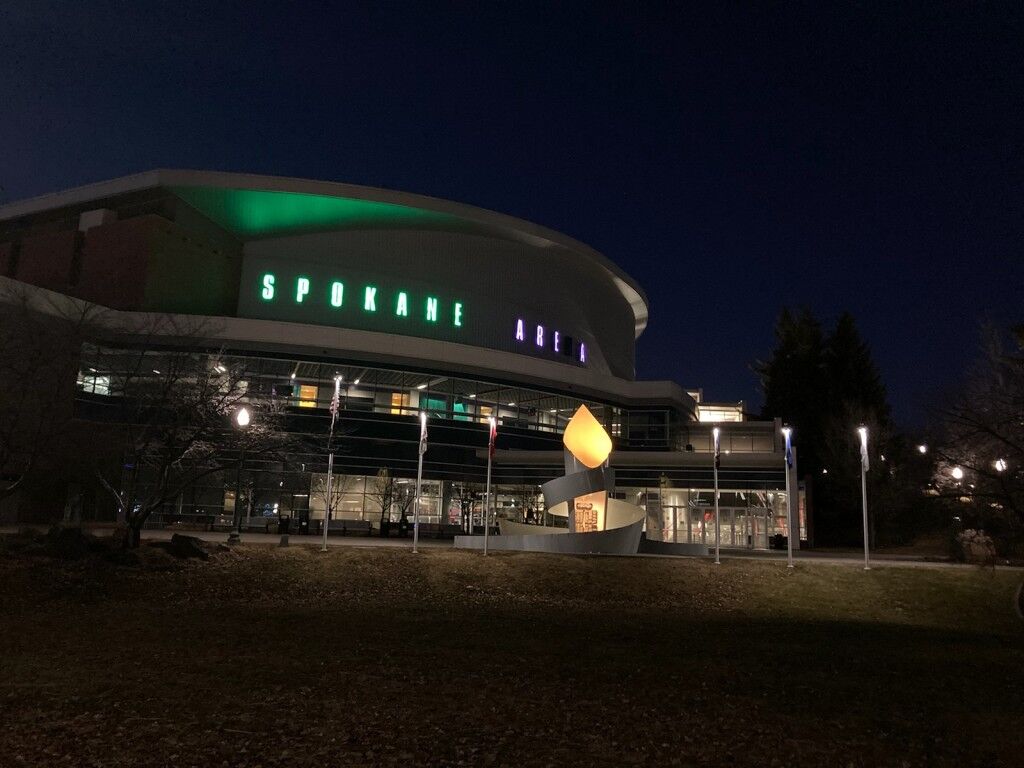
pixel 268 287
pixel 402 307
pixel 370 300
pixel 301 288
pixel 337 294
pixel 431 310
pixel 458 314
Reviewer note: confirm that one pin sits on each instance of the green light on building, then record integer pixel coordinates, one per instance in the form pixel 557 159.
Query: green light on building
pixel 370 299
pixel 458 314
pixel 268 287
pixel 337 293
pixel 301 288
pixel 402 305
pixel 431 309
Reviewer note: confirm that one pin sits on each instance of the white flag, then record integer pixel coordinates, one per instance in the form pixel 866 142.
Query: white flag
pixel 864 463
pixel 423 433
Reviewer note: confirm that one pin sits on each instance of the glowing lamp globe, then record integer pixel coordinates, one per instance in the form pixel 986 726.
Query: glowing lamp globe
pixel 586 439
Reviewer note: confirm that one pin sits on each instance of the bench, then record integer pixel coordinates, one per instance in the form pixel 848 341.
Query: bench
pixel 346 527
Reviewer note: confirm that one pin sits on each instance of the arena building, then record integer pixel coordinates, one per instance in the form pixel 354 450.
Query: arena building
pixel 419 305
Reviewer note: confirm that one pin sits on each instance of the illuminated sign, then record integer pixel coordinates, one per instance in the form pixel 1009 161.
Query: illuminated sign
pixel 542 338
pixel 333 293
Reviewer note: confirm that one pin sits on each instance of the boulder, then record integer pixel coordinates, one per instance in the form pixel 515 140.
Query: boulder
pixel 188 546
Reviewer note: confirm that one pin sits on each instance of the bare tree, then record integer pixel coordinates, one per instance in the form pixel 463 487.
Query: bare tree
pixel 174 408
pixel 383 493
pixel 340 485
pixel 391 494
pixel 980 462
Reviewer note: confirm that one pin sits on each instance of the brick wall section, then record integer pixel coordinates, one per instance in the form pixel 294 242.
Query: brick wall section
pixel 142 263
pixel 5 258
pixel 114 262
pixel 45 260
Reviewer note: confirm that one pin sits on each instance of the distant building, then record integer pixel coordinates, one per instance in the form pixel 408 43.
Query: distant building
pixel 419 304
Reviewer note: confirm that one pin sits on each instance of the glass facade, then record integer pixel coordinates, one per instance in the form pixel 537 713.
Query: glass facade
pixel 364 389
pixel 376 404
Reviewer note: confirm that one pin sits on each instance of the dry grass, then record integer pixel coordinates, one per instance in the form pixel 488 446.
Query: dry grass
pixel 378 657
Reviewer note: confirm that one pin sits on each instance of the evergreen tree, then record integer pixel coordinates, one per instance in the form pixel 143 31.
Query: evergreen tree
pixel 793 381
pixel 825 387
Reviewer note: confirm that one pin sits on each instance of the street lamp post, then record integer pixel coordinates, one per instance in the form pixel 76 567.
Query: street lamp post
pixel 715 433
pixel 864 466
pixel 788 434
pixel 242 419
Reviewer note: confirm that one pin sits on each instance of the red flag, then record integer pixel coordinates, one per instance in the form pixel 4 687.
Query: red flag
pixel 492 438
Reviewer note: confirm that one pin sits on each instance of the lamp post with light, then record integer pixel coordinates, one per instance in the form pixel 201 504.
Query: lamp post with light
pixel 788 434
pixel 242 419
pixel 863 432
pixel 715 434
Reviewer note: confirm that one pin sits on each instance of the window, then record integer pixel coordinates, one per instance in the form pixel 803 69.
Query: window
pixel 485 413
pixel 461 411
pixel 435 405
pixel 399 403
pixel 307 396
pixel 91 382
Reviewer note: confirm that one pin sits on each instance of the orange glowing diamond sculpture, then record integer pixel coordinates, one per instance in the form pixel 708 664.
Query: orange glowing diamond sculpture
pixel 586 439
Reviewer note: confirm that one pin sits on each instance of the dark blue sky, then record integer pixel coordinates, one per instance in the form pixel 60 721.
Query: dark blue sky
pixel 732 158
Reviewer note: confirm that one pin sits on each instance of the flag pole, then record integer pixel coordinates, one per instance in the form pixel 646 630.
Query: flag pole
pixel 487 495
pixel 718 561
pixel 327 501
pixel 419 483
pixel 330 458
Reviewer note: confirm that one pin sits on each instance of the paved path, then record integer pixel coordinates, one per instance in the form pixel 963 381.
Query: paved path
pixel 803 558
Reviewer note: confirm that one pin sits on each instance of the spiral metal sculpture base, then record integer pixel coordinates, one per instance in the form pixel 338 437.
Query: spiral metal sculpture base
pixel 596 523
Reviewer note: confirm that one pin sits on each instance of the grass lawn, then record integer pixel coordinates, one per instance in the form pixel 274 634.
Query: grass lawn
pixel 268 657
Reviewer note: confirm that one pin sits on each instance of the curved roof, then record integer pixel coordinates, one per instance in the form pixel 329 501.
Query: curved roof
pixel 255 207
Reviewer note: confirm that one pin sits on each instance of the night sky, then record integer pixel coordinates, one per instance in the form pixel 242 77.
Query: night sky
pixel 732 159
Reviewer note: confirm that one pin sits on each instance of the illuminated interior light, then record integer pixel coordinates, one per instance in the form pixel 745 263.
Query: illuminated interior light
pixel 301 289
pixel 473 396
pixel 355 383
pixel 156 371
pixel 586 439
pixel 421 386
pixel 268 287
